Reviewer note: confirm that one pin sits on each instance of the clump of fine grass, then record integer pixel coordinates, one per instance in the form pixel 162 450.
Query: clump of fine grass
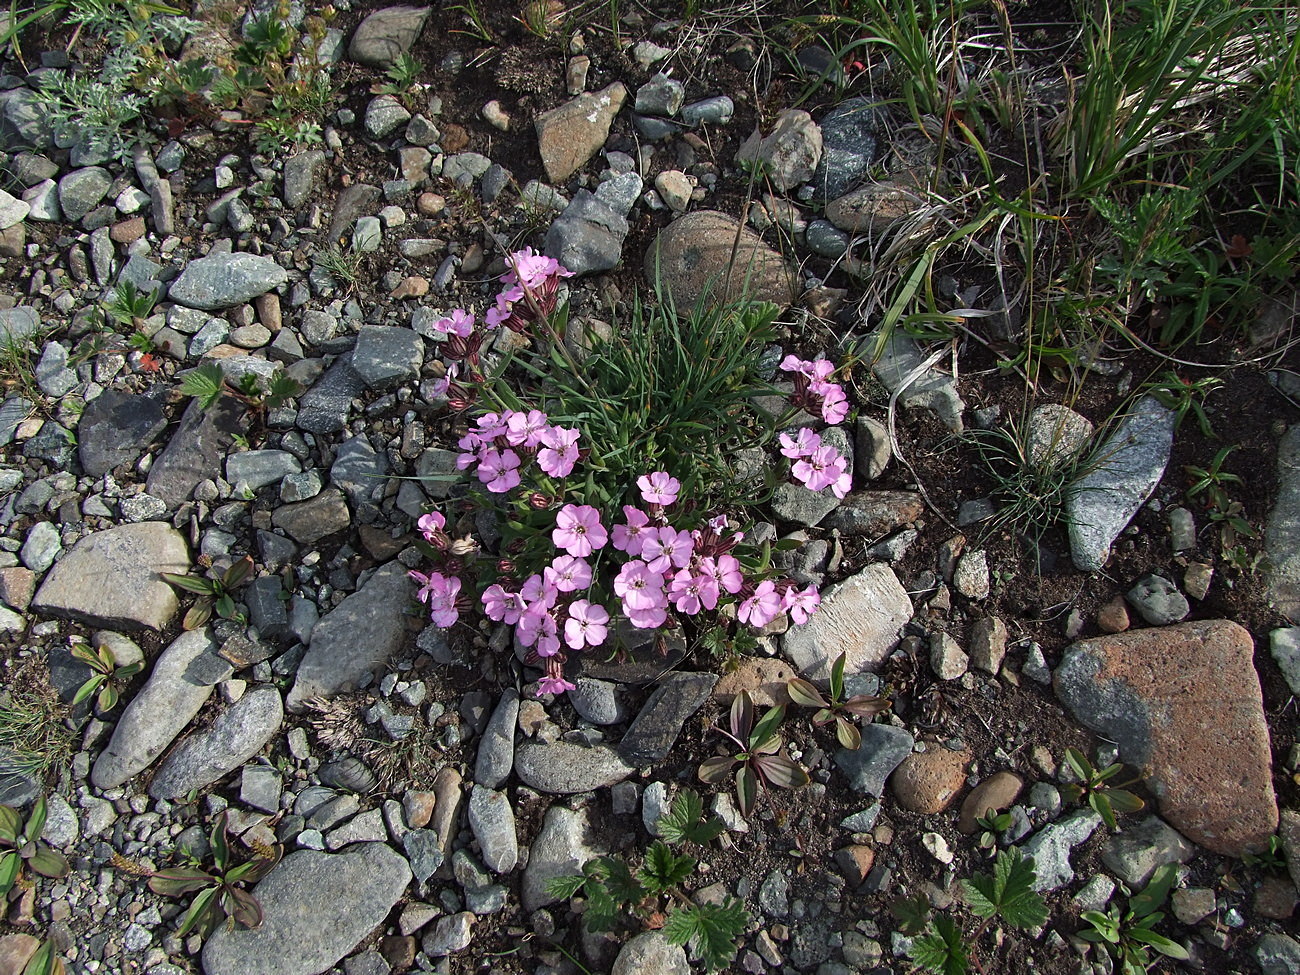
pixel 33 737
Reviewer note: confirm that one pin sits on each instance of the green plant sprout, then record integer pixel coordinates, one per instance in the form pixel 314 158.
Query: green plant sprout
pixel 45 961
pixel 129 305
pixel 615 894
pixel 106 676
pixel 214 593
pixel 220 891
pixel 993 825
pixel 1208 482
pixel 1104 798
pixel 1006 895
pixel 208 382
pixel 1127 934
pixel 1271 859
pixel 402 75
pixel 843 711
pixel 1184 396
pixel 758 760
pixel 21 846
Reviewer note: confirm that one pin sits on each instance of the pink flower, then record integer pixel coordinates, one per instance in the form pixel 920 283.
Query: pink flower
pixel 585 625
pixel 823 468
pixel 502 605
pixel 649 618
pixel 430 525
pixel 578 530
pixel 801 603
pixel 439 592
pixel 843 484
pixel 459 322
pixel 658 487
pixel 551 684
pixel 801 444
pixel 560 452
pixel 691 591
pixel 548 638
pixel 762 607
pixel 499 470
pixel 440 386
pixel 835 407
pixel 532 270
pixel 568 574
pixel 666 547
pixel 537 592
pixel 638 587
pixel 526 429
pixel 726 570
pixel 631 537
pixel 530 624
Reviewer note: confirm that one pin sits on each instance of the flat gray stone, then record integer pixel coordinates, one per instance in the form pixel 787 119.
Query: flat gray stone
pixel 388 356
pixel 1124 472
pixel 324 408
pixel 1277 954
pixel 1050 847
pixel 116 428
pixel 356 639
pixel 159 712
pixel 195 451
pixel 882 750
pixel 931 389
pixel 1134 853
pixel 655 730
pixel 565 767
pixel 496 749
pixel 224 280
pixel 18 323
pixel 316 908
pixel 385 35
pixel 234 738
pixel 258 468
pixel 81 190
pixel 307 522
pixel 799 505
pixel 1282 533
pixel 650 953
pixel 111 578
pixel 860 617
pixel 493 821
pixel 565 842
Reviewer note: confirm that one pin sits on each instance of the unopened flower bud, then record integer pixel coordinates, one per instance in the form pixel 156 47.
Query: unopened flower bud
pixel 539 501
pixel 462 547
pixel 506 566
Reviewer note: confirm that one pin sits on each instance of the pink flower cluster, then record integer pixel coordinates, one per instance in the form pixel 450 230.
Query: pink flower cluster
pixel 441 593
pixel 813 389
pixel 532 282
pixel 502 442
pixel 815 464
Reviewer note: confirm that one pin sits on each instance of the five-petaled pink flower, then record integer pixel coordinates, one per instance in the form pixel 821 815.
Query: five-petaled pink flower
pixel 638 587
pixel 499 470
pixel 630 537
pixel 585 626
pixel 691 591
pixel 559 452
pixel 801 603
pixel 553 684
pixel 762 607
pixel 659 487
pixel 578 530
pixel 502 605
pixel 430 525
pixel 525 429
pixel 567 573
pixel 439 592
pixel 665 547
pixel 459 322
pixel 803 443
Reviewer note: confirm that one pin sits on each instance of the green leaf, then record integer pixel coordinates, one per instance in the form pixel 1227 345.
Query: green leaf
pixel 87 689
pixel 941 949
pixel 1159 942
pixel 44 962
pixel 36 821
pixel 564 888
pixel 912 912
pixel 197 615
pixel 742 715
pixel 622 886
pixel 1100 802
pixel 10 864
pixel 804 694
pixel 11 823
pixel 204 913
pixel 712 929
pixel 194 584
pixel 664 869
pixel 716 769
pixel 685 821
pixel 243 907
pixel 848 734
pixel 781 772
pixel 746 790
pixel 767 728
pixel 180 880
pixel 1007 892
pixel 1152 897
pixel 837 677
pixel 1079 763
pixel 602 910
pixel 225 606
pixel 48 863
pixel 219 840
pixel 204 383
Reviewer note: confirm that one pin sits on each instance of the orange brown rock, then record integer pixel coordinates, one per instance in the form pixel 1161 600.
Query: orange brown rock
pixel 927 782
pixel 1183 703
pixel 994 794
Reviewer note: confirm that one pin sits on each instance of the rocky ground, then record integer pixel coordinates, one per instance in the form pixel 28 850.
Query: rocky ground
pixel 421 792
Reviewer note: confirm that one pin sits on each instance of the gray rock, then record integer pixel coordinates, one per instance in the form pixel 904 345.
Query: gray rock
pixel 18 323
pixel 569 135
pixel 359 470
pixel 366 827
pixel 195 451
pixel 385 35
pixel 1057 435
pixel 850 144
pixel 493 822
pixel 824 238
pixel 316 908
pixel 387 356
pixel 709 111
pixel 353 202
pixel 661 95
pixel 650 953
pixel 930 389
pixel 799 505
pixel 564 767
pixel 874 513
pixel 1121 476
pixel 12 210
pixel 1282 533
pixel 81 190
pixel 41 546
pixel 52 373
pixel 883 749
pixel 496 749
pixel 61 827
pixel 355 640
pixel 565 842
pixel 872 451
pixel 971 577
pixel 116 428
pixel 655 730
pixel 787 156
pixel 1158 600
pixel 384 116
pixel 597 701
pixel 18 787
pixel 234 738
pixel 463 168
pixel 1134 853
pixel 424 851
pixel 860 617
pixel 588 236
pixel 223 280
pixel 1050 847
pixel 43 201
pixel 693 257
pixel 258 468
pixel 260 787
pixel 307 522
pixel 158 713
pixel 1277 954
pixel 111 578
pixel 1284 645
pixel 324 408
pixel 449 935
pixel 301 173
pixel 267 607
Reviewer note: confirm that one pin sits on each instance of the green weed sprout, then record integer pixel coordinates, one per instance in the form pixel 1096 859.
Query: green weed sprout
pixel 1095 787
pixel 106 676
pixel 214 593
pixel 757 759
pixel 1127 934
pixel 843 711
pixel 653 894
pixel 21 846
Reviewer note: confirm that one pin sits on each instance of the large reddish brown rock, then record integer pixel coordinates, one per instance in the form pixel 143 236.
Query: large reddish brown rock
pixel 927 782
pixel 1184 705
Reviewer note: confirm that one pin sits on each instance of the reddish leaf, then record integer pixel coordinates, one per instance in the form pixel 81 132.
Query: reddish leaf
pixel 716 769
pixel 1238 246
pixel 781 772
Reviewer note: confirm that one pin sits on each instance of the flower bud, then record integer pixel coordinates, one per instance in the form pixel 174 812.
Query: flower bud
pixel 462 547
pixel 506 566
pixel 539 501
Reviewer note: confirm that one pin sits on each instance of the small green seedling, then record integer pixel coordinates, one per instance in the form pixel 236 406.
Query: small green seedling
pixel 106 677
pixel 214 593
pixel 1127 935
pixel 129 305
pixel 758 755
pixel 1105 799
pixel 993 825
pixel 1272 858
pixel 208 382
pixel 21 845
pixel 402 75
pixel 1184 396
pixel 614 893
pixel 220 891
pixel 844 712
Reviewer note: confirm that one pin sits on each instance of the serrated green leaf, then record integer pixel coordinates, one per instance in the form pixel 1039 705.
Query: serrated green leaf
pixel 913 913
pixel 204 383
pixel 663 869
pixel 1008 892
pixel 941 949
pixel 685 821
pixel 712 929
pixel 623 887
pixel 602 910
pixel 564 888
